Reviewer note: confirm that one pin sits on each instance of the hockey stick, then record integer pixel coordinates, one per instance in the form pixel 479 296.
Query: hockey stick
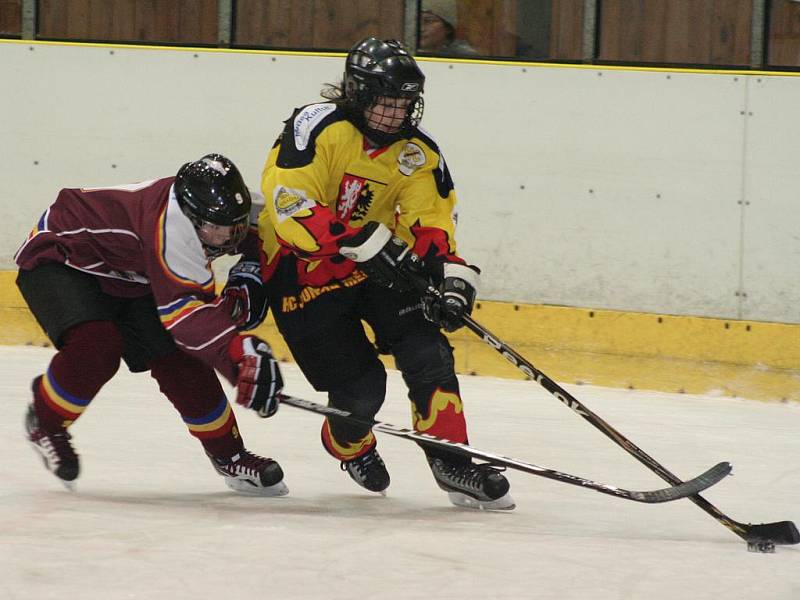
pixel 759 537
pixel 714 475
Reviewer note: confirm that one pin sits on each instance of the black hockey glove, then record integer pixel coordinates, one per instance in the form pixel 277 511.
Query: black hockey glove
pixel 381 255
pixel 247 292
pixel 455 299
pixel 259 381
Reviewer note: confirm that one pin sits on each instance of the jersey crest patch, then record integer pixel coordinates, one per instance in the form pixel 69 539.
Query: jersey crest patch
pixel 306 120
pixel 411 158
pixel 289 202
pixel 355 197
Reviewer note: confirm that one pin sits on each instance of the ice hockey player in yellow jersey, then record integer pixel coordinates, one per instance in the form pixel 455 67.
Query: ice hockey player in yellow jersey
pixel 357 195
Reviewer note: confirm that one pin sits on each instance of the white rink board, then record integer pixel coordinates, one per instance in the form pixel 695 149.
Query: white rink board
pixel 151 519
pixel 772 213
pixel 93 116
pixel 580 187
pixel 629 179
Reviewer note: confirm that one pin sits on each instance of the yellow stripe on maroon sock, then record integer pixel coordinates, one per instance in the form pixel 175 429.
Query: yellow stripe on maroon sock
pixel 217 423
pixel 59 400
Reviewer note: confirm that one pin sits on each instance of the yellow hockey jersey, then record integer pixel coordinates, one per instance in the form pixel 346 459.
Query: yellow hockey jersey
pixel 322 182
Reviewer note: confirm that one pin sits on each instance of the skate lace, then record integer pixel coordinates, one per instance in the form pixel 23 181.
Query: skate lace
pixel 248 463
pixel 59 447
pixel 467 476
pixel 364 464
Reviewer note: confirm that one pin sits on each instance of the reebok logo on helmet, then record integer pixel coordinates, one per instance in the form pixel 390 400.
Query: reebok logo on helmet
pixel 216 165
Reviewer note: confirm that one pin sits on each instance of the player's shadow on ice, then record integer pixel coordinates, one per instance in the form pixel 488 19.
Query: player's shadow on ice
pixel 357 506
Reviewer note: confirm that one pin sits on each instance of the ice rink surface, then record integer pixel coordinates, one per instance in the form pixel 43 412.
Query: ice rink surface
pixel 151 520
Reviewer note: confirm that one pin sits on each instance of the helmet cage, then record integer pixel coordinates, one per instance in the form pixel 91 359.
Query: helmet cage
pixel 218 240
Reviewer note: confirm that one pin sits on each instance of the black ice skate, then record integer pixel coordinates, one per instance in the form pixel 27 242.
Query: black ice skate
pixel 368 471
pixel 250 474
pixel 55 449
pixel 472 486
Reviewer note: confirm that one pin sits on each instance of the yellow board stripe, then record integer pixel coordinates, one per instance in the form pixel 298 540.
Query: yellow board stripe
pixel 749 359
pixel 647 335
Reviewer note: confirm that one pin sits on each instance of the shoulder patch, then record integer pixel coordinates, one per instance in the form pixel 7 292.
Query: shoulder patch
pixel 307 120
pixel 299 138
pixel 289 201
pixel 411 158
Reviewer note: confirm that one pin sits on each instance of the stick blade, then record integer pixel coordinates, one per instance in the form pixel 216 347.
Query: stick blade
pixel 782 532
pixel 688 488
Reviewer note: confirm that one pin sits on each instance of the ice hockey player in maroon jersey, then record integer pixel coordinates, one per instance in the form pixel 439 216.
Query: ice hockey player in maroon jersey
pixel 124 273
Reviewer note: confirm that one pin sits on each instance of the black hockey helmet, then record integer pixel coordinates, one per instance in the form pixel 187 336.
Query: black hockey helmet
pixel 382 68
pixel 212 194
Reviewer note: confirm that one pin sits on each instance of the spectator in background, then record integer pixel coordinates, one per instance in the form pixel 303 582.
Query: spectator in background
pixel 438 24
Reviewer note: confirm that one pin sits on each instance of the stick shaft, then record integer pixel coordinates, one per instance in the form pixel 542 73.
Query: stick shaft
pixel 706 480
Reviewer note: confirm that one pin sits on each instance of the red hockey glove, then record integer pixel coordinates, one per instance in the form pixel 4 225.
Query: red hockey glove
pixel 259 381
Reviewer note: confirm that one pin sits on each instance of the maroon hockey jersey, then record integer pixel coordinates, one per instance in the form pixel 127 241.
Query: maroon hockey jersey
pixel 136 240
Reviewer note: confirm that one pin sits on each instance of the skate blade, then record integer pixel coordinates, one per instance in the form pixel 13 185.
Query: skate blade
pixel 464 501
pixel 376 493
pixel 248 489
pixel 70 485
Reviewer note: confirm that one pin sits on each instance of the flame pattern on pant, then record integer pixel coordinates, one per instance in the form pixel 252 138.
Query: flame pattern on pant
pixel 443 418
pixel 346 451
